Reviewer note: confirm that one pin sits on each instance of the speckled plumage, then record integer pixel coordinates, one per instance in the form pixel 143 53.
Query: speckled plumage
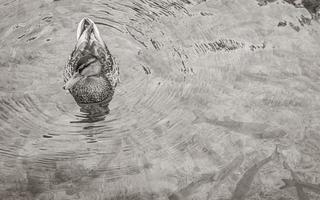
pixel 88 52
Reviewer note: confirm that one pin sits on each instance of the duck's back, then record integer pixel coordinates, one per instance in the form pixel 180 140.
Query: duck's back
pixel 91 55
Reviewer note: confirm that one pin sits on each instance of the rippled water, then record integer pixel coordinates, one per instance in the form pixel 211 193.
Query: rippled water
pixel 208 89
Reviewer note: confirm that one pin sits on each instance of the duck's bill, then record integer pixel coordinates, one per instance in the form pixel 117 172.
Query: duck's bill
pixel 87 32
pixel 72 81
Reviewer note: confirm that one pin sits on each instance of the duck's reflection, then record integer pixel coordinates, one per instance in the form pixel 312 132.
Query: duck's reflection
pixel 94 112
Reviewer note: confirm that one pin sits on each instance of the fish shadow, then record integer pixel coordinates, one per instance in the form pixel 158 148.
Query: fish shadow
pixel 253 129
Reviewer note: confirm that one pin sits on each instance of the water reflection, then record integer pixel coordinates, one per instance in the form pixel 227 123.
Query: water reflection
pixel 93 112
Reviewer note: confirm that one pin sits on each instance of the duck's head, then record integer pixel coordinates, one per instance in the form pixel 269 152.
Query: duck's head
pixel 85 74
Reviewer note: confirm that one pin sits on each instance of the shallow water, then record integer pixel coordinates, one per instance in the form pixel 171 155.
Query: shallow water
pixel 208 89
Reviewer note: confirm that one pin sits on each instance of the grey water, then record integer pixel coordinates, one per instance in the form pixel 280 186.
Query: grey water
pixel 210 92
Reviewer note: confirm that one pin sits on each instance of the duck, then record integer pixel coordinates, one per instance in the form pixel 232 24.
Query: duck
pixel 91 73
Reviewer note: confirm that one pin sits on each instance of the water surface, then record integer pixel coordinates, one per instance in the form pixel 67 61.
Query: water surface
pixel 208 89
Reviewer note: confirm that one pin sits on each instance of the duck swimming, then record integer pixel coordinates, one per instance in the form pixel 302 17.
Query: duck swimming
pixel 90 74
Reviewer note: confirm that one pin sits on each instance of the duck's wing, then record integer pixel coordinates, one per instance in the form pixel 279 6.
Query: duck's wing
pixel 101 51
pixel 114 74
pixel 80 50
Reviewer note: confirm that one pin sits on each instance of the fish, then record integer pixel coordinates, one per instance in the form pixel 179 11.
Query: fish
pixel 188 190
pixel 225 172
pixel 256 130
pixel 243 185
pixel 295 182
pixel 236 162
pixel 292 183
